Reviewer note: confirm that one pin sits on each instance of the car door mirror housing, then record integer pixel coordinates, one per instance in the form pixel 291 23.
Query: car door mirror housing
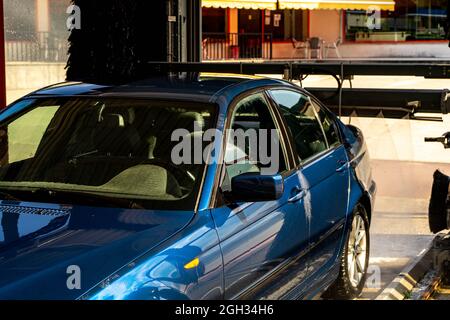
pixel 355 130
pixel 251 187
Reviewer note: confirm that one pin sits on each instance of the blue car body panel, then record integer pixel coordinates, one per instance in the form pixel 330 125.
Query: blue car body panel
pixel 272 231
pixel 36 248
pixel 276 249
pixel 161 273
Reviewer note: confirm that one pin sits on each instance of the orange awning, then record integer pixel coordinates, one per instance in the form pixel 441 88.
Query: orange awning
pixel 337 4
pixel 241 4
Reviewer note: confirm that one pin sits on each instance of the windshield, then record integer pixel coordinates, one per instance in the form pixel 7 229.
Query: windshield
pixel 110 148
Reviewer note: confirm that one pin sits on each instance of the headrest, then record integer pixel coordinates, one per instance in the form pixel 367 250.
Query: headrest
pixel 187 119
pixel 112 120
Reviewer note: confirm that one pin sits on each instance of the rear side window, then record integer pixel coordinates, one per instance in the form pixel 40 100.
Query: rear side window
pixel 328 125
pixel 302 121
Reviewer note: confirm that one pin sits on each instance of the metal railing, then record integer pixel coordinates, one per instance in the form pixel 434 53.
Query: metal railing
pixel 38 47
pixel 233 46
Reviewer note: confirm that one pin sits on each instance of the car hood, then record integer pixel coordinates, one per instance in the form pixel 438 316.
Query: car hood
pixel 44 246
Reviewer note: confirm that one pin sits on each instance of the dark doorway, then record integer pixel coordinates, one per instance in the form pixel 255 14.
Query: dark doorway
pixel 250 21
pixel 250 37
pixel 213 20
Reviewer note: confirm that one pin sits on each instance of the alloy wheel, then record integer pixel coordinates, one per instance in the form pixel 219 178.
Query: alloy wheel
pixel 357 251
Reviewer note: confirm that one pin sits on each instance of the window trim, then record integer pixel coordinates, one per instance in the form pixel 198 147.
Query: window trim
pixel 333 120
pixel 287 133
pixel 316 113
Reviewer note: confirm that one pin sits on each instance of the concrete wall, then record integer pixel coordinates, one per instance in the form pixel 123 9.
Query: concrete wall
pixel 403 140
pixel 283 50
pixel 25 77
pixel 232 20
pixel 396 50
pixel 42 16
pixel 324 24
pixel 375 50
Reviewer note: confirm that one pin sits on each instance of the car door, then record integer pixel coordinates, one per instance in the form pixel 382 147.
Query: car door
pixel 263 242
pixel 323 166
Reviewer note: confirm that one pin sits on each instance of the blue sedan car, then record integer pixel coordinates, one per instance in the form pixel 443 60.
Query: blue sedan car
pixel 141 191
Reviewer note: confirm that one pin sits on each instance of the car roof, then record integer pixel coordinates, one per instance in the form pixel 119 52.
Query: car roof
pixel 205 87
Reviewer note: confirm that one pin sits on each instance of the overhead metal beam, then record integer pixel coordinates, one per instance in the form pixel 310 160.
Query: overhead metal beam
pixel 295 69
pixel 363 102
pixel 391 103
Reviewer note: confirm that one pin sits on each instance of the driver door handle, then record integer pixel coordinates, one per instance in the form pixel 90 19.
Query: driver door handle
pixel 298 194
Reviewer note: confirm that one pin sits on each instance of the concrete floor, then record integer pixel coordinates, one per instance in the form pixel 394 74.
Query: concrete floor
pixel 399 230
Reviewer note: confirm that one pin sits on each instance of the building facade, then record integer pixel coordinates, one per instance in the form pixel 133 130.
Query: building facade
pixel 358 29
pixel 35 30
pixel 35 44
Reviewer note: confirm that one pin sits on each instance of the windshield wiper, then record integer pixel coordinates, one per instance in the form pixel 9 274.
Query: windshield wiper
pixel 73 196
pixel 8 196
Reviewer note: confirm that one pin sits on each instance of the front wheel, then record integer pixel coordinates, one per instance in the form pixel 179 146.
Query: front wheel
pixel 354 259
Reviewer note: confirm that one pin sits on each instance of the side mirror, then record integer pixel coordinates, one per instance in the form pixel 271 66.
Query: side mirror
pixel 252 187
pixel 355 130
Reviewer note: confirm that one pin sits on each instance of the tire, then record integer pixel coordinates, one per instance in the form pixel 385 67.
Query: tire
pixel 349 284
pixel 437 210
pixel 448 217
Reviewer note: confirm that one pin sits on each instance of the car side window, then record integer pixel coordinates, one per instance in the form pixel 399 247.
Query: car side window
pixel 303 122
pixel 253 144
pixel 328 125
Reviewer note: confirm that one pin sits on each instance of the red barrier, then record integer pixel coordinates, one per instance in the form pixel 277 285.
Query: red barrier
pixel 2 60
